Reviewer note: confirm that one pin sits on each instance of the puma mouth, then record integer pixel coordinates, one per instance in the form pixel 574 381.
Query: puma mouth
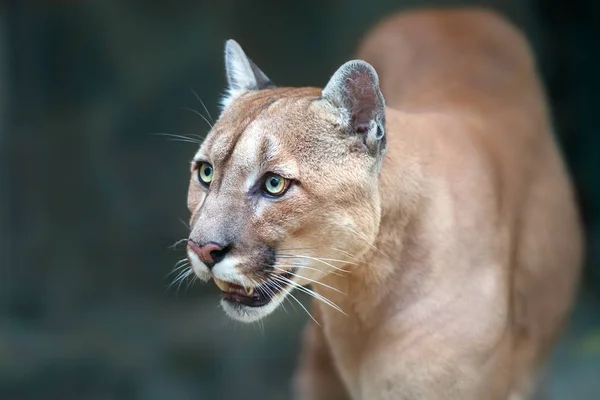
pixel 257 296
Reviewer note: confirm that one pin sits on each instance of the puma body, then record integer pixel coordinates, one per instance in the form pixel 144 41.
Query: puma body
pixel 440 221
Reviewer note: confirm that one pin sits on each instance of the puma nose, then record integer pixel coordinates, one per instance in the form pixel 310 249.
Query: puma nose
pixel 210 253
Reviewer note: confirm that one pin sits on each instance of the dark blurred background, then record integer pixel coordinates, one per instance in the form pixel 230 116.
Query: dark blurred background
pixel 91 199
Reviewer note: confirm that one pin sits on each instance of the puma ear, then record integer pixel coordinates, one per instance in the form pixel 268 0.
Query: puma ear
pixel 242 73
pixel 354 88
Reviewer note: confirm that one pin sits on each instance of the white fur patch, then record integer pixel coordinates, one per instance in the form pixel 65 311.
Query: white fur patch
pixel 229 97
pixel 251 179
pixel 200 269
pixel 226 270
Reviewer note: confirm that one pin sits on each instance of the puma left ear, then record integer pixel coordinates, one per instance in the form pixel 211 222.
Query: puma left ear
pixel 354 88
pixel 242 73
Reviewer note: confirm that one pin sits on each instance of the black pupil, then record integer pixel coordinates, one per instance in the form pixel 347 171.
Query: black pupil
pixel 207 171
pixel 274 182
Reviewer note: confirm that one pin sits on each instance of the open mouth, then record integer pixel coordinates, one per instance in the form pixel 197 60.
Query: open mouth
pixel 253 296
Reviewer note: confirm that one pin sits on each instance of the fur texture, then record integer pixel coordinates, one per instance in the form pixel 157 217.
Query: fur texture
pixel 436 228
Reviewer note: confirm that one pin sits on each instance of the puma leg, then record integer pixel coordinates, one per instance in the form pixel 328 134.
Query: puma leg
pixel 316 377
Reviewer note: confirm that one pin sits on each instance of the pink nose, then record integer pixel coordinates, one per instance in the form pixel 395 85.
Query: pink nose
pixel 210 254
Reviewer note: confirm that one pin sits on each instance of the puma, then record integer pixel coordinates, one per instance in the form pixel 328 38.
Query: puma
pixel 425 207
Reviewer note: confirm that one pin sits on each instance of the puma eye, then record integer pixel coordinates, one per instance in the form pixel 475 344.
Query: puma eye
pixel 205 174
pixel 275 185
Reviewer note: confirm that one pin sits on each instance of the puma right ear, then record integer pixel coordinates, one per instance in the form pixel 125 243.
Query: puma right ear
pixel 354 89
pixel 242 73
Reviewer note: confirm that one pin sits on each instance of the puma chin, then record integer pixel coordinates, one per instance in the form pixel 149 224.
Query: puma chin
pixel 284 189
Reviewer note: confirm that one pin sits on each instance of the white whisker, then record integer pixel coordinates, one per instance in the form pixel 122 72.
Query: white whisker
pixel 177 243
pixel 179 275
pixel 360 235
pixel 311 280
pixel 312 258
pixel 304 308
pixel 178 266
pixel 259 321
pixel 265 286
pixel 341 261
pixel 283 255
pixel 184 275
pixel 348 254
pixel 200 115
pixel 309 292
pixel 186 224
pixel 272 293
pixel 294 297
pixel 301 266
pixel 179 138
pixel 190 281
pixel 203 105
pixel 296 248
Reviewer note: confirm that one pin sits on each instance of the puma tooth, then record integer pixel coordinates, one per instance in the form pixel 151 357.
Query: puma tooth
pixel 250 291
pixel 224 286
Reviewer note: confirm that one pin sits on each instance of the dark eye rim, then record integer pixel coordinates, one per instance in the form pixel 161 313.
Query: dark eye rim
pixel 199 165
pixel 286 181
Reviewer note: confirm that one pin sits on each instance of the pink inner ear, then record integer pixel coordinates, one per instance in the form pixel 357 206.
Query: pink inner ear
pixel 363 96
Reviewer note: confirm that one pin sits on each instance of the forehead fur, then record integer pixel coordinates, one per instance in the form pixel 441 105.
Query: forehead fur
pixel 264 125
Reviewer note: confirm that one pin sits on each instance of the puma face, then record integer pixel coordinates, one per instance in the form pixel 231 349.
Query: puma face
pixel 284 190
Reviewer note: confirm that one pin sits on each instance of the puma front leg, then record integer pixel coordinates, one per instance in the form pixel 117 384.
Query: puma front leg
pixel 316 377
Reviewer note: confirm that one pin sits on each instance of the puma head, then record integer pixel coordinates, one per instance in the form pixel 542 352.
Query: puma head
pixel 285 188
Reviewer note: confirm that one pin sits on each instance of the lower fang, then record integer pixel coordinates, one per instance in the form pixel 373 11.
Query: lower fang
pixel 250 291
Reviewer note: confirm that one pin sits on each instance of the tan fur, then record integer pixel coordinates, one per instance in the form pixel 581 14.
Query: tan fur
pixel 461 256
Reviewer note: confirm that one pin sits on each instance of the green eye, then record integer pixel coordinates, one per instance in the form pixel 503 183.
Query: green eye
pixel 275 185
pixel 205 174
